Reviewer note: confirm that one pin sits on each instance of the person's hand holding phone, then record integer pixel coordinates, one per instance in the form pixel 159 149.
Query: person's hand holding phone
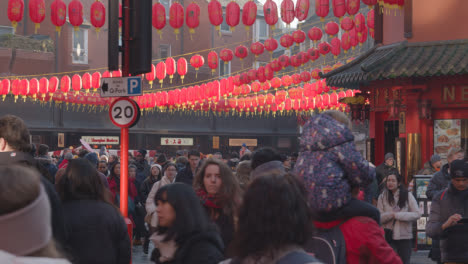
pixel 453 220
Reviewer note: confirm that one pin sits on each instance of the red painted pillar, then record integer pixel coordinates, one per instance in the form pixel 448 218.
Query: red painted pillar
pixel 124 172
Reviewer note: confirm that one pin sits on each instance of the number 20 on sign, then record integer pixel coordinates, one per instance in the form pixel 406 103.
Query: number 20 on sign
pixel 124 112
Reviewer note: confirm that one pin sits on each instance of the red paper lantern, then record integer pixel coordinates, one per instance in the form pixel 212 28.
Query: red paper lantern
pixel 37 13
pixel 370 3
pixel 275 83
pixel 332 28
pixel 15 12
pixel 117 73
pixel 322 7
pixel 284 61
pixel 275 65
pixel 315 34
pixel 326 69
pixel 287 11
pixel 241 52
pixel 244 78
pixel 150 76
pixel 370 19
pixel 339 8
pixel 249 14
pixel 159 18
pixel 86 81
pixel 170 67
pixel 98 15
pixel 33 88
pixel 296 78
pixel 161 72
pixel 261 74
pixel 58 14
pixel 197 62
pixel 269 72
pixel 213 61
pixel 257 48
pixel 65 82
pixel 295 61
pixel 313 53
pixel 176 17
pixel 24 88
pixel 315 74
pixel 96 80
pixel 360 23
pixel 53 85
pixel 302 9
pixel 252 74
pixel 298 36
pixel 15 88
pixel 347 24
pixel 75 14
pixel 305 76
pixel 232 14
pixel 286 41
pixel 43 87
pixel 271 45
pixel 182 68
pixel 215 13
pixel 270 10
pixel 353 6
pixel 345 42
pixel 193 17
pixel 226 55
pixel 286 81
pixel 335 47
pixel 76 83
pixel 303 57
pixel 324 48
pixel 362 37
pixel 353 38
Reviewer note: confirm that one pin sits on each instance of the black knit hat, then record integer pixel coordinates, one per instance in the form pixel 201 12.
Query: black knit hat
pixel 458 169
pixel 142 152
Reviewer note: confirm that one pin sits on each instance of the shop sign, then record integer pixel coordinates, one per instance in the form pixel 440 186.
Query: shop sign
pixel 447 134
pixel 215 142
pixel 453 93
pixel 165 141
pixel 237 142
pixel 101 140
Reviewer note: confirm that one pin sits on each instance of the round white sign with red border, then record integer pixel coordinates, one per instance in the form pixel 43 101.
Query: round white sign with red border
pixel 124 112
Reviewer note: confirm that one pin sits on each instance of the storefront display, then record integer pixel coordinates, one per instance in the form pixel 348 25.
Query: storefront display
pixel 447 134
pixel 421 183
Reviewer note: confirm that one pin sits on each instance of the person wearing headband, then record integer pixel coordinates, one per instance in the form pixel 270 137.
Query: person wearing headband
pixel 25 212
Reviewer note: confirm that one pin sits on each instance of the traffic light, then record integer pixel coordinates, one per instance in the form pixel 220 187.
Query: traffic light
pixel 140 36
pixel 113 36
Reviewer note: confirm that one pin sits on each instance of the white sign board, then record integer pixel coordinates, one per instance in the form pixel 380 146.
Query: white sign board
pixel 122 86
pixel 101 140
pixel 176 141
pixel 124 112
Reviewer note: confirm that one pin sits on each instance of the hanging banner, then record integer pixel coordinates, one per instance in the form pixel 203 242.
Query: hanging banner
pixel 237 142
pixel 176 141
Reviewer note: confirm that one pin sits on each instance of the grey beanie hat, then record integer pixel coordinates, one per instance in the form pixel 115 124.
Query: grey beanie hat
pixel 389 156
pixel 435 158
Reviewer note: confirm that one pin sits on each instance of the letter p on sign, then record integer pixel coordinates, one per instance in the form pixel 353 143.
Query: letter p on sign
pixel 134 86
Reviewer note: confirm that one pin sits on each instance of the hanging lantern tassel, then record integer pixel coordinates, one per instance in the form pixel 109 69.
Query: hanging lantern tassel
pixel 160 33
pixel 151 84
pixel 176 32
pixel 97 32
pixel 191 31
pixel 196 73
pixel 161 82
pixel 247 29
pixel 170 78
pixel 37 26
pixel 182 78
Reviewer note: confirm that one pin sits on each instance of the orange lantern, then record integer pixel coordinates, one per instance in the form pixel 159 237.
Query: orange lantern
pixel 98 15
pixel 58 14
pixel 226 55
pixel 176 17
pixel 33 88
pixel 347 24
pixel 315 34
pixel 353 7
pixel 302 9
pixel 24 88
pixel 75 14
pixel 339 8
pixel 213 61
pixel 96 80
pixel 270 10
pixel 249 14
pixel 192 17
pixel 313 54
pixel 170 67
pixel 322 7
pixel 37 13
pixel 215 13
pixel 43 87
pixel 298 36
pixel 287 11
pixel 286 41
pixel 86 81
pixel 335 47
pixel 53 85
pixel 76 83
pixel 161 72
pixel 182 68
pixel 232 14
pixel 15 12
pixel 150 76
pixel 332 28
pixel 271 45
pixel 197 61
pixel 257 48
pixel 159 18
pixel 65 84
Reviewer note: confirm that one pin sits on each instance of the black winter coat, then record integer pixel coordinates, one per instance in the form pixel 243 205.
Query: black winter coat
pixel 199 248
pixel 97 233
pixel 185 176
pixel 439 182
pixel 146 187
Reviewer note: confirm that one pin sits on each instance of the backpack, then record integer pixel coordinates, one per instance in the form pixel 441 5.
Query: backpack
pixel 328 245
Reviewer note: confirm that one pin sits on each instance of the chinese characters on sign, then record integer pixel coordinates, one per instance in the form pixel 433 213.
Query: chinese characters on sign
pixel 176 141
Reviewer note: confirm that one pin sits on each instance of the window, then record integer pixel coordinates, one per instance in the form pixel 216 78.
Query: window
pixel 224 26
pixel 80 46
pixel 261 29
pixel 224 68
pixel 164 51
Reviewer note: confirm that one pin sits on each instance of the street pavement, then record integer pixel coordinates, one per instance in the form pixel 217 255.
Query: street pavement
pixel 138 257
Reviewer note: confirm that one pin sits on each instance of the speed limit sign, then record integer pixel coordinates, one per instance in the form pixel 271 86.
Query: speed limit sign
pixel 124 112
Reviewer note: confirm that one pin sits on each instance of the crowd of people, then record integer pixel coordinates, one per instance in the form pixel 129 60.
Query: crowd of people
pixel 326 204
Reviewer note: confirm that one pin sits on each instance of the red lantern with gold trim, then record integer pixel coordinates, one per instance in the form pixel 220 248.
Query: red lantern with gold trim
pixel 296 78
pixel 75 14
pixel 249 14
pixel 335 47
pixel 270 10
pixel 257 48
pixel 159 18
pixel 161 72
pixel 192 17
pixel 150 76
pixel 58 14
pixel 295 61
pixel 96 80
pixel 53 85
pixel 226 55
pixel 345 42
pixel 362 37
pixel 86 80
pixel 37 13
pixel 302 9
pixel 15 88
pixel 213 61
pixel 287 11
pixel 322 7
pixel 197 62
pixel 315 74
pixel 275 83
pixel 15 12
pixel 286 41
pixel 298 36
pixel 24 88
pixel 339 8
pixel 305 76
pixel 33 88
pixel 98 15
pixel 315 34
pixel 347 24
pixel 269 72
pixel 360 23
pixel 370 19
pixel 286 81
pixel 170 67
pixel 332 28
pixel 65 83
pixel 324 48
pixel 370 3
pixel 352 7
pixel 252 74
pixel 271 45
pixel 353 38
pixel 232 15
pixel 76 83
pixel 275 65
pixel 261 74
pixel 176 17
pixel 284 61
pixel 241 52
pixel 43 87
pixel 215 13
pixel 313 53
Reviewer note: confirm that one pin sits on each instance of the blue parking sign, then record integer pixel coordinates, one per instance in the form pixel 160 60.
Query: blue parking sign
pixel 134 86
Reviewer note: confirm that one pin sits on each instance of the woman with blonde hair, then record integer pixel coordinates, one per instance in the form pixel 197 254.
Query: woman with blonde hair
pixel 25 210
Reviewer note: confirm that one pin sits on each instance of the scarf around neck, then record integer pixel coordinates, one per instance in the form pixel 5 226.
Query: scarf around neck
pixel 209 200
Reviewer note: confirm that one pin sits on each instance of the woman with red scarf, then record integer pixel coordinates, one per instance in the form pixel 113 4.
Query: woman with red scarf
pixel 220 195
